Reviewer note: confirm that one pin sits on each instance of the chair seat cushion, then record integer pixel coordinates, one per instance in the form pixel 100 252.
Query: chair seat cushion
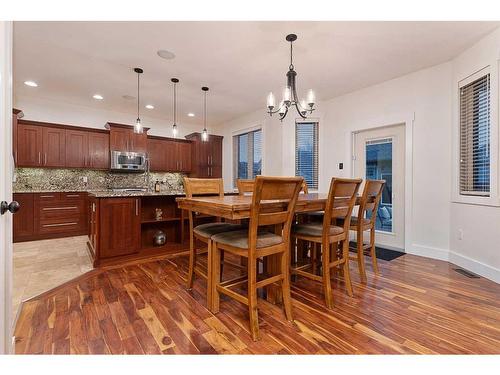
pixel 315 230
pixel 240 239
pixel 208 230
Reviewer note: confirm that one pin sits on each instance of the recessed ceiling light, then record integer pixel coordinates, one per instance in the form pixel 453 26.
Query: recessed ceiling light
pixel 149 106
pixel 98 97
pixel 128 97
pixel 31 83
pixel 190 114
pixel 167 55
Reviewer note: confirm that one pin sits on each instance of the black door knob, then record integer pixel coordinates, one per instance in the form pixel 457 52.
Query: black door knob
pixel 13 207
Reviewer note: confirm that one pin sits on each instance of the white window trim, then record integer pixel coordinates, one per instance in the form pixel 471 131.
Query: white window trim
pixel 493 199
pixel 262 150
pixel 307 121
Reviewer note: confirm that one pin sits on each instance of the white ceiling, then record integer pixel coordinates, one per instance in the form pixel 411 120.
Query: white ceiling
pixel 240 61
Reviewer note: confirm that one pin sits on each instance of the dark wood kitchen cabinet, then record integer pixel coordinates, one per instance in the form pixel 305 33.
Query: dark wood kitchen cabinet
pixel 50 215
pixel 206 156
pixel 169 155
pixel 29 145
pixel 16 115
pixel 87 149
pixel 120 226
pixel 40 146
pixel 24 219
pixel 54 147
pixel 123 138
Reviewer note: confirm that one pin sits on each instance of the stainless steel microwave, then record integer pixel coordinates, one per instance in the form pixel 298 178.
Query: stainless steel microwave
pixel 128 161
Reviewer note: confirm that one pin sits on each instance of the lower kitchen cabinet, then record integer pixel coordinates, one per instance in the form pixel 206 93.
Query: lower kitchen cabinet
pixel 119 227
pixel 50 215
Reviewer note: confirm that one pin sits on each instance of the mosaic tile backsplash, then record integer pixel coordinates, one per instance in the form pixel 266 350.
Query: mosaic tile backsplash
pixel 44 179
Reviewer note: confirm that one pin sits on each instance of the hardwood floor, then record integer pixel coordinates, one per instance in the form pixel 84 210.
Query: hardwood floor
pixel 416 305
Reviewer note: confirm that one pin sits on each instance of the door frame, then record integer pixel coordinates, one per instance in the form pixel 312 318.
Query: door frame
pixel 6 169
pixel 407 120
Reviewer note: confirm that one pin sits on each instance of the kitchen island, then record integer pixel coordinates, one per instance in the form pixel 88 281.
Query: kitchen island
pixel 131 225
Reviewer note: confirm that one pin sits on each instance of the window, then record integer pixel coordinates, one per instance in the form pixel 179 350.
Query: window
pixel 306 152
pixel 475 137
pixel 247 152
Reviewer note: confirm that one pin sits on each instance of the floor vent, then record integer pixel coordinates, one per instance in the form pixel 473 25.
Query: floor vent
pixel 466 273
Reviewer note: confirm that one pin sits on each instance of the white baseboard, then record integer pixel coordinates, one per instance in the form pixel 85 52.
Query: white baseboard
pixel 475 266
pixel 463 261
pixel 428 252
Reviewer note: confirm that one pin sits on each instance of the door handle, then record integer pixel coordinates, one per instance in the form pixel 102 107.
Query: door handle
pixel 12 207
pixel 40 158
pixel 45 161
pixel 137 207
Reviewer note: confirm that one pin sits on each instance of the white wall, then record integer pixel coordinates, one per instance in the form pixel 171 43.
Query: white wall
pixel 41 109
pixel 479 250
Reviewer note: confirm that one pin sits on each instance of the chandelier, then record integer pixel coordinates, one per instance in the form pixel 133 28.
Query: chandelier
pixel 290 92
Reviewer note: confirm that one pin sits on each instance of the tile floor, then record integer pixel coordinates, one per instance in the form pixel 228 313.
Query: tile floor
pixel 42 265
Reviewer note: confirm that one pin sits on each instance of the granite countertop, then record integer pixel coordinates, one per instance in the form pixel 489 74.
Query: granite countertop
pixel 111 194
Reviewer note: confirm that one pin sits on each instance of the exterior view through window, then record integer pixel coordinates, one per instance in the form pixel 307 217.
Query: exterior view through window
pixel 306 152
pixel 247 152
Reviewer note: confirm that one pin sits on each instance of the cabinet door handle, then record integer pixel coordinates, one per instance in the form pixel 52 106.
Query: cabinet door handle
pixel 59 208
pixel 45 161
pixel 40 158
pixel 72 195
pixel 46 196
pixel 58 225
pixel 137 207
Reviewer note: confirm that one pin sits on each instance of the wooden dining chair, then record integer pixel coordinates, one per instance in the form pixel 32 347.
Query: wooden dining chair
pixel 368 206
pixel 203 232
pixel 339 205
pixel 245 187
pixel 258 242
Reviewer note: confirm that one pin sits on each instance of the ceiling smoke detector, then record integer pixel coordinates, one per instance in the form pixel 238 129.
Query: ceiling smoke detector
pixel 167 55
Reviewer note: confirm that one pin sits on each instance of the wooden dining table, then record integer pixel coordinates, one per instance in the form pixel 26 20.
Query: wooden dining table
pixel 237 207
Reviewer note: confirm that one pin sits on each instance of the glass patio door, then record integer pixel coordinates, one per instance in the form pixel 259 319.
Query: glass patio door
pixel 379 155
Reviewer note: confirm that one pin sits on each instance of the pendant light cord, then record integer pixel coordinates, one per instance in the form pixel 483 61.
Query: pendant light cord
pixel 138 95
pixel 205 112
pixel 175 103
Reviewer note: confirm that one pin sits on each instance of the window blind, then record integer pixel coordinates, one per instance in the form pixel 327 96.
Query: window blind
pixel 247 155
pixel 306 152
pixel 475 137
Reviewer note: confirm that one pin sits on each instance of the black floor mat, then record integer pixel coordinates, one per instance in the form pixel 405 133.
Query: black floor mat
pixel 384 254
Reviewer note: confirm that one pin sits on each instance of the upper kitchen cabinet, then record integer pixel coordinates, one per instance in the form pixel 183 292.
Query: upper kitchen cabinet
pixel 16 115
pixel 40 146
pixel 123 138
pixel 87 149
pixel 29 145
pixel 169 155
pixel 206 156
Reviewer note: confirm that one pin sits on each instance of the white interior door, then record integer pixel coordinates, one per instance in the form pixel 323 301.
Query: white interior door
pixel 380 154
pixel 5 186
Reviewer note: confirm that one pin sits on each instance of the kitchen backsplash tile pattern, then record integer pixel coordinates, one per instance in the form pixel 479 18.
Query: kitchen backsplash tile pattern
pixel 44 179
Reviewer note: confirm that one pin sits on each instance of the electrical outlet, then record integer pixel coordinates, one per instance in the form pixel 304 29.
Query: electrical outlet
pixel 460 234
pixel 13 341
pixel 85 179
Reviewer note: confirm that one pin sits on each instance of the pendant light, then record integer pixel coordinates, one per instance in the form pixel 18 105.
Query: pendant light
pixel 204 134
pixel 138 125
pixel 174 126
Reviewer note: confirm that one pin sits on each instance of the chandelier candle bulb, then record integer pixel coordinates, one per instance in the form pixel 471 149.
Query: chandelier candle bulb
pixel 303 107
pixel 287 94
pixel 271 101
pixel 311 97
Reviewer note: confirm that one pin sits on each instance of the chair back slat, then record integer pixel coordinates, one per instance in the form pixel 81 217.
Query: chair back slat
pixel 245 187
pixel 370 199
pixel 273 203
pixel 340 203
pixel 203 186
